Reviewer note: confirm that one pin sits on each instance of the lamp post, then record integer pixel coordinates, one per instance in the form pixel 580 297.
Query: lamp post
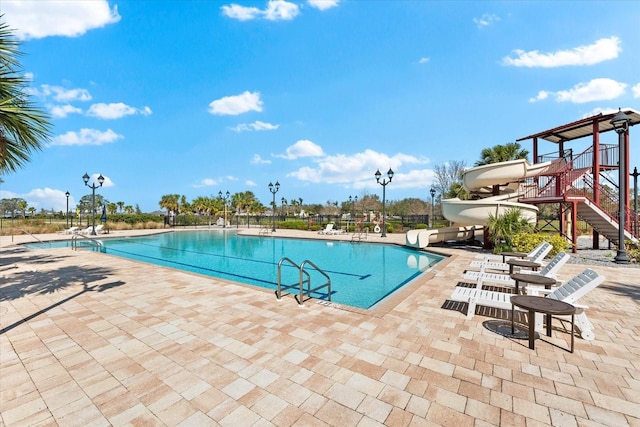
pixel 352 209
pixel 433 198
pixel 353 201
pixel 384 184
pixel 620 124
pixel 635 196
pixel 273 189
pixel 224 199
pixel 67 214
pixel 284 202
pixel 93 187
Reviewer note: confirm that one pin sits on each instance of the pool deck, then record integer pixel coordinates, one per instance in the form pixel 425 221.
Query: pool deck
pixel 94 340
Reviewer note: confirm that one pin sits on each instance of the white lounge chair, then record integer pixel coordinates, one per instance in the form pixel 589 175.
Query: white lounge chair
pixel 327 230
pixel 71 230
pixel 536 256
pixel 549 270
pixel 89 229
pixel 570 292
pixel 499 257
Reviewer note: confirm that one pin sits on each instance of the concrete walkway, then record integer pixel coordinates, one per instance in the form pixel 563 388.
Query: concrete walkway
pixel 91 339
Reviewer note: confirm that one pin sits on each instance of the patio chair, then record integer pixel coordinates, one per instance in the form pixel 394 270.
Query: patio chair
pixel 327 230
pixel 570 292
pixel 537 255
pixel 550 270
pixel 498 257
pixel 71 230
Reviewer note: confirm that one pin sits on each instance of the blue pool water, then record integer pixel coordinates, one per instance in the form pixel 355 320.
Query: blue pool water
pixel 361 274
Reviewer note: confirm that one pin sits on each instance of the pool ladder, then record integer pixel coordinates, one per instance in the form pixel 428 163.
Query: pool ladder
pixel 304 279
pixel 74 241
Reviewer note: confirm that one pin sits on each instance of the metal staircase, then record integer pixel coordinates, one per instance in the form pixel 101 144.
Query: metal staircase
pixel 570 180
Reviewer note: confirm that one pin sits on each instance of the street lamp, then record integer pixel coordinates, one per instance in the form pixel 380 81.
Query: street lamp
pixel 353 202
pixel 433 198
pixel 273 189
pixel 93 187
pixel 67 215
pixel 620 123
pixel 384 183
pixel 225 199
pixel 635 196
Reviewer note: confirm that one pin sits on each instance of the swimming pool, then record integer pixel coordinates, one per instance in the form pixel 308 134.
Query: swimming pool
pixel 362 274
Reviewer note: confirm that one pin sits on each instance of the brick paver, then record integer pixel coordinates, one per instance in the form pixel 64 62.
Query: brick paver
pixel 90 339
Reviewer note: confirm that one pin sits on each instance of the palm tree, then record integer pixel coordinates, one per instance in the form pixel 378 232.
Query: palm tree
pixel 502 153
pixel 170 203
pixel 24 128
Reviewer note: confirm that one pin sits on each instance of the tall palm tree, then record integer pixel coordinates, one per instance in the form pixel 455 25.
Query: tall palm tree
pixel 502 153
pixel 24 128
pixel 170 202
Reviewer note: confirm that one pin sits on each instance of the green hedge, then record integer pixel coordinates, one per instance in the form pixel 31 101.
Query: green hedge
pixel 525 242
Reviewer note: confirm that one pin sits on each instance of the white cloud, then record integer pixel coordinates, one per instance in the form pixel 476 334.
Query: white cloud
pixel 236 104
pixel 602 89
pixel 595 90
pixel 250 183
pixel 486 20
pixel 323 4
pixel 255 126
pixel 47 198
pixel 599 110
pixel 276 10
pixel 258 160
pixel 86 137
pixel 206 182
pixel 423 60
pixel 281 10
pixel 636 91
pixel 34 19
pixel 60 94
pixel 357 170
pixel 115 110
pixel 302 148
pixel 543 94
pixel 601 50
pixel 241 13
pixel 62 111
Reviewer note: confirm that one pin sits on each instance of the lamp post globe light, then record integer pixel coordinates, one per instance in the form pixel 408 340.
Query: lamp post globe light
pixel 620 123
pixel 433 198
pixel 93 187
pixel 225 200
pixel 67 214
pixel 273 189
pixel 384 184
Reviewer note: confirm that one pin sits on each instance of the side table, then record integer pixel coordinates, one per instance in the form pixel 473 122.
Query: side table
pixel 547 306
pixel 514 262
pixel 534 279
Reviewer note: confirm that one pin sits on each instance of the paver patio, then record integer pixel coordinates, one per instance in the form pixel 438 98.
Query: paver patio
pixel 91 339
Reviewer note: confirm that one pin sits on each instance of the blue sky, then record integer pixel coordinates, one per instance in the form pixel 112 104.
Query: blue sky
pixel 195 97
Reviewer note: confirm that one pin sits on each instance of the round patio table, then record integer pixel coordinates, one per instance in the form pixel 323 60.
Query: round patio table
pixel 513 255
pixel 523 263
pixel 548 307
pixel 534 279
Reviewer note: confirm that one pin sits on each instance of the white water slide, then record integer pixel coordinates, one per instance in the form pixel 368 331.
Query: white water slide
pixel 470 216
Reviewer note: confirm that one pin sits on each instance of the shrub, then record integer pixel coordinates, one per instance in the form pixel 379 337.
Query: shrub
pixel 503 227
pixel 525 242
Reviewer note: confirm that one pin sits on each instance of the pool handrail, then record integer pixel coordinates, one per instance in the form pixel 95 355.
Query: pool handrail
pixel 25 232
pixel 309 290
pixel 304 277
pixel 74 241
